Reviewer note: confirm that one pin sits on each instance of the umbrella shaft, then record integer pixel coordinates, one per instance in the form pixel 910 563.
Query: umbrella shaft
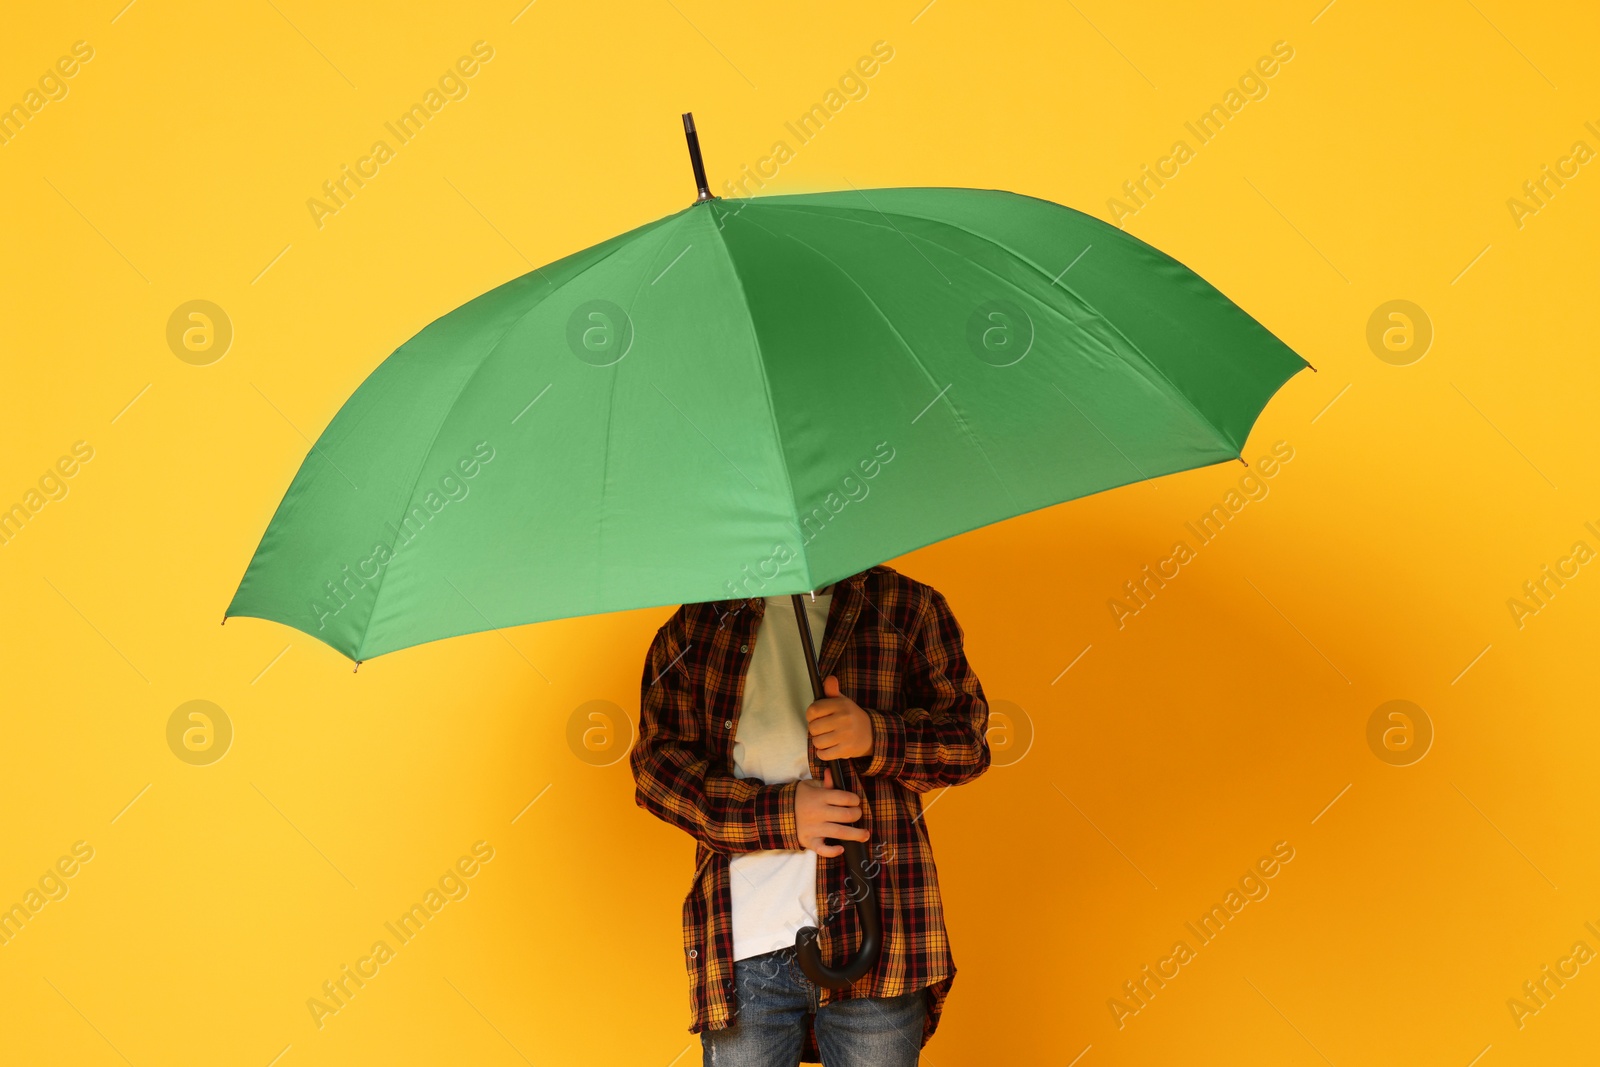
pixel 860 871
pixel 806 643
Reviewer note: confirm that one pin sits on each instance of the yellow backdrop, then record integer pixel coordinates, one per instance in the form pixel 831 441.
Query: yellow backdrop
pixel 1402 195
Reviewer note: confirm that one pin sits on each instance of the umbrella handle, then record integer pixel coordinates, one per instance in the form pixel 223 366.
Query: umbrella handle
pixel 862 891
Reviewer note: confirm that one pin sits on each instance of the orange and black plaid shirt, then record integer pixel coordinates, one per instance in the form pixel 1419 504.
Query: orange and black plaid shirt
pixel 896 649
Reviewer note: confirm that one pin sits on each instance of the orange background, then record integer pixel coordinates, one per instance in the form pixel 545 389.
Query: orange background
pixel 1229 714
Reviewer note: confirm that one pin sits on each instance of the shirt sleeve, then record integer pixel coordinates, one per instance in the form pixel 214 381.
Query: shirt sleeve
pixel 940 738
pixel 671 762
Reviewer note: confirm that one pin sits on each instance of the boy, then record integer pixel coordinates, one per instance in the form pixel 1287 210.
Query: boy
pixel 731 750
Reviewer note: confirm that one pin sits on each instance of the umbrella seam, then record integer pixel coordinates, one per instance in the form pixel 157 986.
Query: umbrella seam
pixel 1172 393
pixel 422 463
pixel 611 394
pixel 961 423
pixel 766 391
pixel 1148 364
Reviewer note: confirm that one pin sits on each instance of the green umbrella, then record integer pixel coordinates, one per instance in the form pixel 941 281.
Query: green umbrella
pixel 751 398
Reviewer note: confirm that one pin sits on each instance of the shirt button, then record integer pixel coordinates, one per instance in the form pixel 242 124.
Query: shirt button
pixel 727 724
pixel 694 954
pixel 744 648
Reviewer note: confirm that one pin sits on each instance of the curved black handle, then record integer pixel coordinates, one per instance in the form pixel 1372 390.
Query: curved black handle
pixel 858 881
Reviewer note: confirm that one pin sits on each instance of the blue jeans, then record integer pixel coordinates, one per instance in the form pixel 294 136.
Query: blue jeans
pixel 774 999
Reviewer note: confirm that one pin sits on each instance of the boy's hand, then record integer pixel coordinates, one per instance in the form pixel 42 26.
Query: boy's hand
pixel 821 811
pixel 839 728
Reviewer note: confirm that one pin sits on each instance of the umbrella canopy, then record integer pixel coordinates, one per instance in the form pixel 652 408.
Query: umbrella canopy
pixel 751 398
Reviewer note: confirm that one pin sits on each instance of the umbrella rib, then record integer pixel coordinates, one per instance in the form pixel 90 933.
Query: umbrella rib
pixel 850 214
pixel 961 424
pixel 1149 364
pixel 933 381
pixel 766 389
pixel 483 361
pixel 923 367
pixel 405 508
pixel 902 233
pixel 611 393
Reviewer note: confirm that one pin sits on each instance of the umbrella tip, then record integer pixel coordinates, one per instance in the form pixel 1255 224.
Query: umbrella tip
pixel 224 618
pixel 1241 459
pixel 694 157
pixel 357 667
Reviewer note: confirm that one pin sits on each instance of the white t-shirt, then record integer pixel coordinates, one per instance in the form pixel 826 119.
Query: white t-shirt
pixel 775 891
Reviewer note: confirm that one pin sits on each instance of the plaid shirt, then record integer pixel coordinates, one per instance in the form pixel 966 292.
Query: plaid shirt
pixel 896 649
